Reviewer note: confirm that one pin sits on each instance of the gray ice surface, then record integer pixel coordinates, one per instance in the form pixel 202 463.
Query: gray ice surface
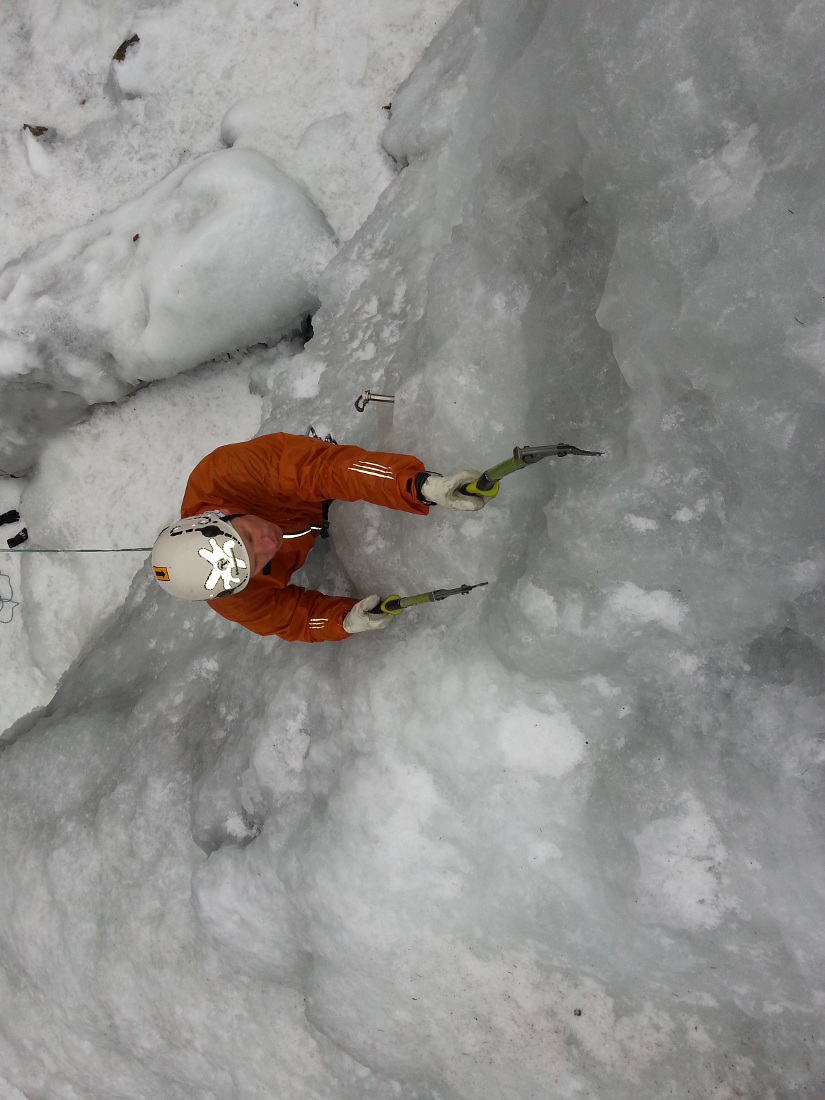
pixel 562 837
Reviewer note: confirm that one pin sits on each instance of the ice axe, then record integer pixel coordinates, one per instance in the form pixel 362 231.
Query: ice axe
pixel 487 484
pixel 394 605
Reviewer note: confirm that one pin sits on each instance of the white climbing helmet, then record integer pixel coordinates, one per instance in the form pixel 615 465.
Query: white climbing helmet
pixel 200 558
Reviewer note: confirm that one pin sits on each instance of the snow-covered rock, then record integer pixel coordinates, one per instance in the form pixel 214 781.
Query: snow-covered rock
pixel 222 254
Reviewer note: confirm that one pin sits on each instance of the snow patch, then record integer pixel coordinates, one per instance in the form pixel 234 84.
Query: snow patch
pixel 683 880
pixel 633 605
pixel 543 741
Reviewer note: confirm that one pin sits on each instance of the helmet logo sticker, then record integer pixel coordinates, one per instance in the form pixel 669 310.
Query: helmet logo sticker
pixel 224 564
pixel 161 573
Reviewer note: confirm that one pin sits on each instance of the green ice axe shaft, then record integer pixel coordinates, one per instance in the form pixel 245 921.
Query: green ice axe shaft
pixel 487 484
pixel 394 605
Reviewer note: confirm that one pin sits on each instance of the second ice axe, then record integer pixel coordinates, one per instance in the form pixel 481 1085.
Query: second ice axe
pixel 487 484
pixel 394 605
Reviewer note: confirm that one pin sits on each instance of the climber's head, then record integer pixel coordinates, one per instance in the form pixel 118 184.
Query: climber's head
pixel 207 556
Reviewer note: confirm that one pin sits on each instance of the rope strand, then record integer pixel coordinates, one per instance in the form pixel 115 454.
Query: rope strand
pixel 122 550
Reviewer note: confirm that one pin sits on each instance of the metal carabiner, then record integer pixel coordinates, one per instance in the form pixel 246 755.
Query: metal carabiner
pixel 367 396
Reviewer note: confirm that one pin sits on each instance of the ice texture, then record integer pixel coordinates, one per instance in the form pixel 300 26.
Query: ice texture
pixel 561 837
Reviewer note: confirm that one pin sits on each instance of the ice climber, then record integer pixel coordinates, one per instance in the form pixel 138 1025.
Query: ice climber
pixel 251 513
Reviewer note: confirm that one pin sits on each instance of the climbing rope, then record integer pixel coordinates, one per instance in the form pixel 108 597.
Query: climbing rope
pixel 7 604
pixel 119 550
pixel 7 601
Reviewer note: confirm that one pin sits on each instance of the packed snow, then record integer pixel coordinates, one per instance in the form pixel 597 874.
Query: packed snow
pixel 224 253
pixel 560 837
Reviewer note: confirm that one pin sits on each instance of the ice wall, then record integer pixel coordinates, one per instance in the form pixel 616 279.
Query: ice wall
pixel 562 837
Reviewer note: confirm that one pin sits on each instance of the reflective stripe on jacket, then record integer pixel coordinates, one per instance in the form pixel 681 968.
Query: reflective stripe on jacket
pixel 286 479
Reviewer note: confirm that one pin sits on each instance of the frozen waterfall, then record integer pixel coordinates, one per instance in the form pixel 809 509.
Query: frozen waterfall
pixel 563 837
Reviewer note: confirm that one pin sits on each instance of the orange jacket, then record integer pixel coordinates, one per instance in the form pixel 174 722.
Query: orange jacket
pixel 286 479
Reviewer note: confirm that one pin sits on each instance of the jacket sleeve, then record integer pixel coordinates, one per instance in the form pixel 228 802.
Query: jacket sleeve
pixel 294 614
pixel 296 468
pixel 311 469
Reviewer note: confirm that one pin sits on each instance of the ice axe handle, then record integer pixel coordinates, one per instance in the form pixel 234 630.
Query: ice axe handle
pixel 389 606
pixel 481 487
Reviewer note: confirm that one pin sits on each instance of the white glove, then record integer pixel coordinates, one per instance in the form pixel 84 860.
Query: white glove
pixel 358 619
pixel 444 490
